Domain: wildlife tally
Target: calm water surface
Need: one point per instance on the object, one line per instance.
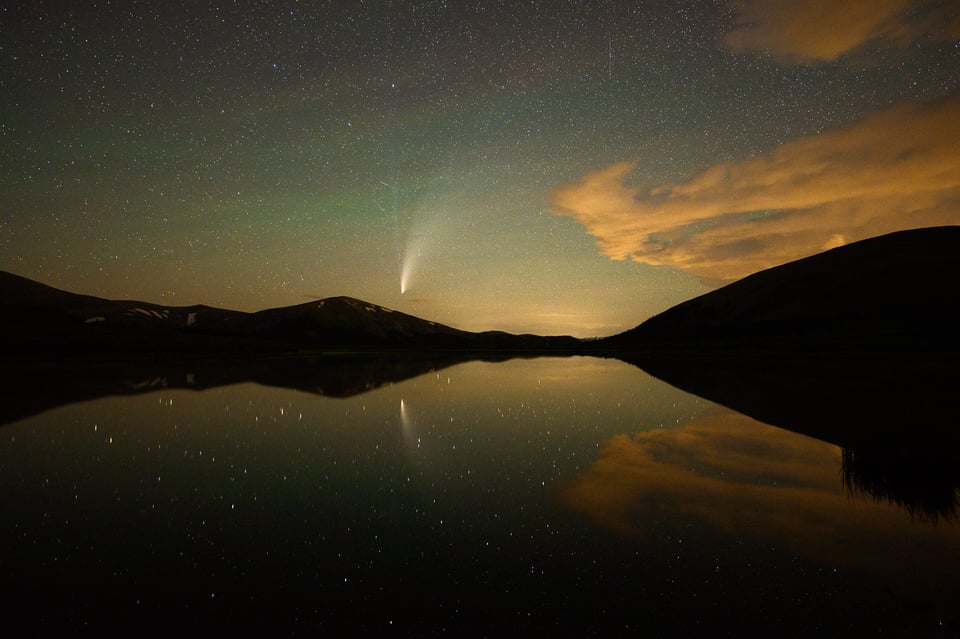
(577, 495)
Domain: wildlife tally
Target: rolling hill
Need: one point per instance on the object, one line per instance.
(897, 291)
(39, 319)
(893, 291)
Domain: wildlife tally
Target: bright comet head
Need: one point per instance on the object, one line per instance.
(406, 269)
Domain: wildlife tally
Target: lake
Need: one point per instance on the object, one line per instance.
(574, 495)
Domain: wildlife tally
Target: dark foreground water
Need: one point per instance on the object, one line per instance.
(576, 496)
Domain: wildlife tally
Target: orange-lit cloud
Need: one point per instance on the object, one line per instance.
(753, 481)
(799, 31)
(895, 169)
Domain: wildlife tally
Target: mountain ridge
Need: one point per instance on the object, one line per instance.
(889, 292)
(36, 317)
(892, 290)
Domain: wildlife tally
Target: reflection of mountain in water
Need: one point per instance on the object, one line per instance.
(34, 389)
(853, 401)
(893, 415)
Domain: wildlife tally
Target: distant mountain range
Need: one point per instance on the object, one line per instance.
(35, 318)
(897, 291)
(894, 291)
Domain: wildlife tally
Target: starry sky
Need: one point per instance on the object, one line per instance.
(554, 167)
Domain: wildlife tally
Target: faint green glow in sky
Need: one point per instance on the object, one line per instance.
(255, 155)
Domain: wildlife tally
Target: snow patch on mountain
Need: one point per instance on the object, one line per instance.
(152, 314)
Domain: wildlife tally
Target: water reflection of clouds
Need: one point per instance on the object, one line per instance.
(750, 480)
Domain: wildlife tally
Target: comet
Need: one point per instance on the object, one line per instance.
(411, 256)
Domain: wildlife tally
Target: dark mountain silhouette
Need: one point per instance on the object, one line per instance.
(36, 319)
(893, 291)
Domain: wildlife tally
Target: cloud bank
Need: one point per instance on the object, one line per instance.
(893, 170)
(802, 31)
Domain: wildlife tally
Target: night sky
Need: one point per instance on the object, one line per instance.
(550, 167)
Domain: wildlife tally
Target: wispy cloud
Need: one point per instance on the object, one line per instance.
(801, 31)
(892, 170)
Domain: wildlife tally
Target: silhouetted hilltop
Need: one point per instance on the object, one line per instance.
(897, 290)
(36, 319)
